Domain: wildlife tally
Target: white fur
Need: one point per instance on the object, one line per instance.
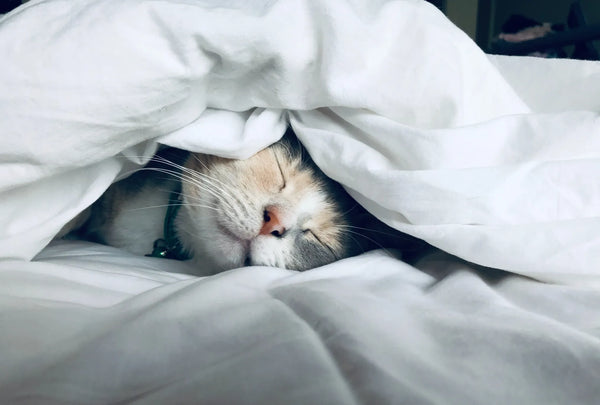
(139, 222)
(220, 239)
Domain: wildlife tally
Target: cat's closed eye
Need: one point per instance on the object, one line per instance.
(283, 182)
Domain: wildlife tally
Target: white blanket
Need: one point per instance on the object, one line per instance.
(493, 159)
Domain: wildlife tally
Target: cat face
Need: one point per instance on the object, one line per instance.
(274, 209)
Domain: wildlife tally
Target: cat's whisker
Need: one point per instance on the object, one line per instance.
(376, 243)
(184, 178)
(193, 174)
(242, 209)
(349, 210)
(208, 178)
(233, 202)
(327, 247)
(199, 161)
(180, 172)
(370, 230)
(171, 173)
(222, 189)
(201, 204)
(193, 234)
(216, 192)
(167, 206)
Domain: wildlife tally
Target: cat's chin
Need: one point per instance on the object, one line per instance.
(223, 251)
(226, 252)
(218, 255)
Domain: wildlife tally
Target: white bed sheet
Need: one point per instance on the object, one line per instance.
(90, 324)
(493, 159)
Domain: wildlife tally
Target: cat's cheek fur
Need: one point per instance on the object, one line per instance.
(212, 251)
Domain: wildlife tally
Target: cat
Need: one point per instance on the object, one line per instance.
(276, 208)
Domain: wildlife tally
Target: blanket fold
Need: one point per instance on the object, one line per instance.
(430, 134)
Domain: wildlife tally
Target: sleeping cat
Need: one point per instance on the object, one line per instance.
(274, 209)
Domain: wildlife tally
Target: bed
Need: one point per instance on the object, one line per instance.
(493, 160)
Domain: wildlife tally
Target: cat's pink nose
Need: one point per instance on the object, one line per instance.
(272, 225)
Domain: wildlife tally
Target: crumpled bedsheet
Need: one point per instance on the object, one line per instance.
(493, 160)
(90, 324)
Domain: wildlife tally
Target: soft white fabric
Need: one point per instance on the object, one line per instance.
(493, 159)
(89, 324)
(469, 153)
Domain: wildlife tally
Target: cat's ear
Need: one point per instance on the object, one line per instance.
(374, 234)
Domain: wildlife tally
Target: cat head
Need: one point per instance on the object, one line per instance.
(274, 209)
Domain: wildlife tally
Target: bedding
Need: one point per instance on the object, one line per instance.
(493, 160)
